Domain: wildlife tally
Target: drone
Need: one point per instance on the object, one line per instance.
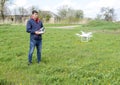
(85, 36)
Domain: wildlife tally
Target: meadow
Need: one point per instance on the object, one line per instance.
(65, 59)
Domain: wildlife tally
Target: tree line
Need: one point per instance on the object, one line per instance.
(64, 14)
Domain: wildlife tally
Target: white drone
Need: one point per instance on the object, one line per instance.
(85, 36)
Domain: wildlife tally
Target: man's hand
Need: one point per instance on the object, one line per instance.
(37, 32)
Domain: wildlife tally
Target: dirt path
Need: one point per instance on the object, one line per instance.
(65, 27)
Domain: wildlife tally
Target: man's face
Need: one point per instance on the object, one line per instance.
(35, 15)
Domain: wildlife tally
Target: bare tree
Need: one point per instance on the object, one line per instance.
(15, 11)
(7, 11)
(72, 15)
(2, 8)
(107, 14)
(45, 15)
(30, 9)
(62, 11)
(79, 14)
(22, 11)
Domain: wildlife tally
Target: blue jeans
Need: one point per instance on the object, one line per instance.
(38, 45)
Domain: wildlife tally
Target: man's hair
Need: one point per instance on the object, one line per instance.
(34, 11)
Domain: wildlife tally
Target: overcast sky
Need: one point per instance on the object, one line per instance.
(90, 7)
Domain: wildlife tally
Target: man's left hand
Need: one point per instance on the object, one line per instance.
(37, 32)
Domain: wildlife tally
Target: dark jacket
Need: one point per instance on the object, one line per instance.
(33, 26)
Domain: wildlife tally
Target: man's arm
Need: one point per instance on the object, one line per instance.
(29, 28)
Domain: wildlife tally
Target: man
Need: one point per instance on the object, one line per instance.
(33, 27)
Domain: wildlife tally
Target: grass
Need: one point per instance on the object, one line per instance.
(65, 60)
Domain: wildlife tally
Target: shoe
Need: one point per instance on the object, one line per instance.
(29, 63)
(38, 62)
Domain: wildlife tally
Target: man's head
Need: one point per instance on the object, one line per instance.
(34, 14)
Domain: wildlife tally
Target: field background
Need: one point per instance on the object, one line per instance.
(65, 59)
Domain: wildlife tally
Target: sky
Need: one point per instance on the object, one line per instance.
(90, 7)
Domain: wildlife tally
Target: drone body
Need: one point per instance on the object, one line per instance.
(85, 37)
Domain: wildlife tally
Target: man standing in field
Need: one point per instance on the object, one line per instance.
(34, 25)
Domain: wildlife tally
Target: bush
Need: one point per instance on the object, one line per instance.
(97, 24)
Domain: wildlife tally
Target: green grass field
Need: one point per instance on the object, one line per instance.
(65, 59)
